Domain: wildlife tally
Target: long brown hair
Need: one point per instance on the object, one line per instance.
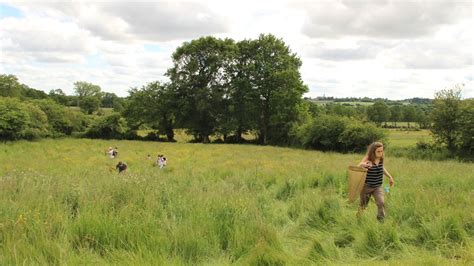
(371, 151)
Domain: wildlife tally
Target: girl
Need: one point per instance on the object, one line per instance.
(373, 161)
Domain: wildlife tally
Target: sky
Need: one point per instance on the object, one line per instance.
(395, 49)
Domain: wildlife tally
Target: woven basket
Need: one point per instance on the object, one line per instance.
(356, 180)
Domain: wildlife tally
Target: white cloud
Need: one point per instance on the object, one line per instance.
(380, 18)
(41, 39)
(142, 20)
(375, 48)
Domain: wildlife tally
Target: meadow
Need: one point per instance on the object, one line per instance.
(406, 139)
(61, 202)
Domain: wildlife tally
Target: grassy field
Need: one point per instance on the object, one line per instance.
(403, 139)
(397, 138)
(62, 203)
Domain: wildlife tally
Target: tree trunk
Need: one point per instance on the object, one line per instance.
(265, 122)
(170, 135)
(239, 134)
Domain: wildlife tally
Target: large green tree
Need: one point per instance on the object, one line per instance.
(59, 96)
(200, 78)
(396, 114)
(378, 113)
(276, 79)
(89, 96)
(153, 105)
(243, 100)
(410, 114)
(9, 86)
(445, 116)
(466, 121)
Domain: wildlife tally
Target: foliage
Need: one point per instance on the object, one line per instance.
(466, 126)
(20, 120)
(409, 114)
(378, 112)
(357, 136)
(396, 114)
(225, 88)
(328, 132)
(154, 106)
(58, 117)
(446, 114)
(200, 78)
(11, 87)
(277, 81)
(89, 96)
(113, 126)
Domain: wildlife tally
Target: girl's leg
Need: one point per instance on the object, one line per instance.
(365, 196)
(364, 199)
(379, 199)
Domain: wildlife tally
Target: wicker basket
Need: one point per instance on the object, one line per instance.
(356, 180)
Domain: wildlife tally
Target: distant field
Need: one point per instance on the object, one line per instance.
(61, 202)
(403, 124)
(402, 139)
(355, 103)
(349, 103)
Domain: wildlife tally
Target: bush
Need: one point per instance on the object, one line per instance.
(80, 121)
(336, 133)
(108, 127)
(21, 120)
(37, 126)
(323, 133)
(59, 121)
(13, 119)
(357, 136)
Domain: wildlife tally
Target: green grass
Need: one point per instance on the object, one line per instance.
(60, 203)
(403, 139)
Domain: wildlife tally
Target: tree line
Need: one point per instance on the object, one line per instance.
(223, 88)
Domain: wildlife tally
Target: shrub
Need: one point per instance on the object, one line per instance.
(37, 126)
(357, 136)
(108, 127)
(323, 133)
(13, 119)
(20, 120)
(59, 121)
(336, 133)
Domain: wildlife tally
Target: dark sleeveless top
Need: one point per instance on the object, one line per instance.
(375, 175)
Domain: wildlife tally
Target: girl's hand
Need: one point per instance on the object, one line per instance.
(391, 182)
(367, 164)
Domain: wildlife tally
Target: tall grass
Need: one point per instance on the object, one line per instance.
(62, 203)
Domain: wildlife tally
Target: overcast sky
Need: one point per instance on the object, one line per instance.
(392, 49)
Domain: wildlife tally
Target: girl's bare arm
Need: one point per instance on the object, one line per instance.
(390, 177)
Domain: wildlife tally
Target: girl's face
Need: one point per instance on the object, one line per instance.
(379, 153)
